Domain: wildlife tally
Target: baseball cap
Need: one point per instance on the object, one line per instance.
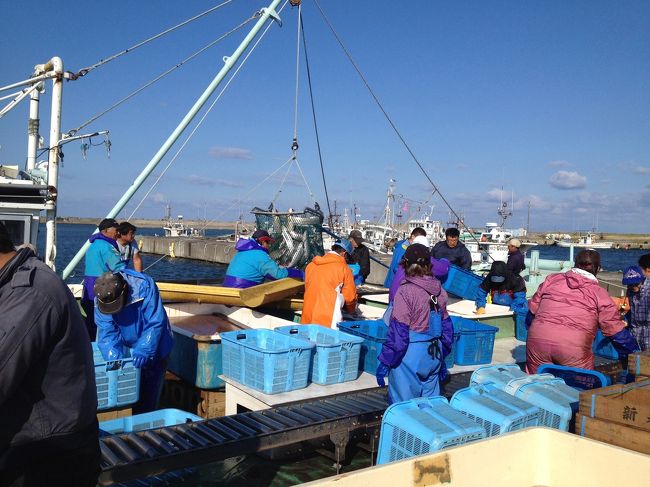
(632, 275)
(417, 254)
(107, 223)
(356, 235)
(515, 242)
(345, 244)
(262, 234)
(110, 291)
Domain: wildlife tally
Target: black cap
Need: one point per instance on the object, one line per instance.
(262, 234)
(110, 290)
(107, 223)
(356, 235)
(417, 254)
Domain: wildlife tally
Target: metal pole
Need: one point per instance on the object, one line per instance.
(229, 62)
(55, 65)
(33, 127)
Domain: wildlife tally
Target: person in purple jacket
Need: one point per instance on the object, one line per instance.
(420, 333)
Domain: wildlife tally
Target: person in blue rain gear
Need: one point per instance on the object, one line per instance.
(103, 256)
(398, 252)
(252, 263)
(504, 287)
(420, 333)
(129, 313)
(633, 279)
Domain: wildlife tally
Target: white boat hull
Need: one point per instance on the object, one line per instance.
(593, 245)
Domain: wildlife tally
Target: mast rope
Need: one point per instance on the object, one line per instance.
(200, 122)
(101, 62)
(72, 132)
(383, 110)
(313, 112)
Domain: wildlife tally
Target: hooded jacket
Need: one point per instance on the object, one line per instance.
(252, 264)
(103, 256)
(47, 374)
(511, 292)
(569, 308)
(326, 278)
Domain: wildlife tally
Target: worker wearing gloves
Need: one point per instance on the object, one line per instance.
(420, 333)
(504, 288)
(252, 263)
(129, 313)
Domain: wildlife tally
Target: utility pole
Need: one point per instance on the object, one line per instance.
(528, 221)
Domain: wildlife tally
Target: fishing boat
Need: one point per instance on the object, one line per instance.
(586, 241)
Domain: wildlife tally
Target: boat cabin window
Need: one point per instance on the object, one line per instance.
(18, 228)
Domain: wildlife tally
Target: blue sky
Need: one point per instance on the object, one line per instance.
(548, 99)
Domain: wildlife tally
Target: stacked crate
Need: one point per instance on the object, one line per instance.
(618, 414)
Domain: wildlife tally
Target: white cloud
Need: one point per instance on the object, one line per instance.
(205, 181)
(558, 163)
(230, 153)
(568, 180)
(158, 198)
(641, 170)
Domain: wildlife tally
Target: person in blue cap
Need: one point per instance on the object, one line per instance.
(504, 288)
(129, 313)
(252, 263)
(635, 278)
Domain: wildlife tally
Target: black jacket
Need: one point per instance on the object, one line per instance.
(361, 256)
(516, 262)
(47, 377)
(458, 255)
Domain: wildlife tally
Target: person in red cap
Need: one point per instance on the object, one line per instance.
(252, 263)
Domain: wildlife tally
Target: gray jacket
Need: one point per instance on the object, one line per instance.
(47, 378)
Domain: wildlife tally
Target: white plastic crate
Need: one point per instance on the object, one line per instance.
(497, 411)
(423, 425)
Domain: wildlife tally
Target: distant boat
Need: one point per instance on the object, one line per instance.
(491, 244)
(585, 241)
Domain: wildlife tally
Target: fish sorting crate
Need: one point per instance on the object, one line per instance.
(449, 359)
(423, 425)
(496, 411)
(374, 334)
(118, 382)
(267, 361)
(603, 347)
(147, 421)
(475, 343)
(557, 401)
(499, 374)
(521, 332)
(336, 357)
(462, 283)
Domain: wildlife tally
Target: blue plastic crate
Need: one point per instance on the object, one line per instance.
(556, 400)
(449, 359)
(496, 411)
(581, 379)
(475, 341)
(423, 425)
(118, 383)
(499, 374)
(147, 421)
(603, 347)
(374, 334)
(521, 332)
(462, 283)
(267, 361)
(337, 353)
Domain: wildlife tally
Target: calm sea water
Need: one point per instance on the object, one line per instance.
(72, 237)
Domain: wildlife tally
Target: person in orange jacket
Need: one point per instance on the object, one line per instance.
(329, 285)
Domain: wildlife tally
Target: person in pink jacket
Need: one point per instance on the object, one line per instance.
(567, 310)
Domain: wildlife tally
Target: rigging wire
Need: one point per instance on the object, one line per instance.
(162, 75)
(200, 122)
(313, 111)
(383, 110)
(101, 62)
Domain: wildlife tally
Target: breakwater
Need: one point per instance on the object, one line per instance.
(218, 251)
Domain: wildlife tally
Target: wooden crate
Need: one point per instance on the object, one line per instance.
(180, 395)
(114, 414)
(639, 363)
(627, 404)
(613, 433)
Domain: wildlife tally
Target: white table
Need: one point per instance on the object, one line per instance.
(467, 308)
(376, 298)
(241, 396)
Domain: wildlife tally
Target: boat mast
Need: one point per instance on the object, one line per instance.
(229, 62)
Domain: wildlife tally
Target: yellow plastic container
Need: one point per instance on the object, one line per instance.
(535, 457)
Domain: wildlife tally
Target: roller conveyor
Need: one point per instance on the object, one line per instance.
(153, 452)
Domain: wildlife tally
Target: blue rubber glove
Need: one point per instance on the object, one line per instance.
(382, 372)
(139, 361)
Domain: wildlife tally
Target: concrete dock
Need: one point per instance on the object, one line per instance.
(208, 249)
